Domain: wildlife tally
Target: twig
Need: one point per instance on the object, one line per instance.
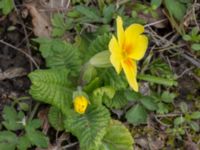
(25, 33)
(169, 115)
(21, 51)
(69, 145)
(192, 60)
(154, 23)
(34, 110)
(185, 71)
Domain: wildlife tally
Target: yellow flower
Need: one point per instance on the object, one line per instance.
(129, 47)
(80, 104)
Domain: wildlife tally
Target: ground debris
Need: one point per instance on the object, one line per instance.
(12, 73)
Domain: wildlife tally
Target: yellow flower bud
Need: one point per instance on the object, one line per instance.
(80, 104)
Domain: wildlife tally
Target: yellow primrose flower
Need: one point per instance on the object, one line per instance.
(129, 47)
(80, 104)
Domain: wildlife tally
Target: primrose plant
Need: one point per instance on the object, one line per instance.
(81, 92)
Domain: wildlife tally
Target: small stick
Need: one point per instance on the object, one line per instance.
(20, 50)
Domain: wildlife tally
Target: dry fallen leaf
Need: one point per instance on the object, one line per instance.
(41, 27)
(43, 116)
(12, 73)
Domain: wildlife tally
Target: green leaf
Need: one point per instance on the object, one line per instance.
(194, 31)
(156, 3)
(162, 108)
(99, 44)
(117, 102)
(137, 115)
(196, 47)
(58, 54)
(23, 143)
(45, 46)
(111, 78)
(89, 73)
(37, 137)
(12, 119)
(50, 86)
(168, 97)
(180, 10)
(117, 137)
(183, 106)
(60, 25)
(132, 96)
(6, 6)
(56, 118)
(8, 140)
(90, 127)
(35, 124)
(179, 120)
(88, 12)
(102, 94)
(149, 103)
(195, 115)
(101, 59)
(187, 37)
(158, 80)
(108, 12)
(194, 126)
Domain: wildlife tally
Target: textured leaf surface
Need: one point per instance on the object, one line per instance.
(8, 140)
(99, 44)
(37, 138)
(50, 86)
(117, 137)
(90, 127)
(118, 101)
(110, 77)
(23, 143)
(12, 118)
(58, 53)
(56, 118)
(137, 115)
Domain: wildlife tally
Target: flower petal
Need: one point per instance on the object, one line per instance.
(133, 31)
(116, 56)
(139, 49)
(113, 46)
(116, 62)
(120, 31)
(130, 69)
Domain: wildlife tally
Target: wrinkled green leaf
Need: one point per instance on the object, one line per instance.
(59, 54)
(50, 86)
(8, 140)
(56, 118)
(90, 127)
(137, 115)
(195, 115)
(162, 108)
(103, 94)
(168, 97)
(23, 143)
(12, 119)
(37, 138)
(148, 103)
(117, 102)
(117, 137)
